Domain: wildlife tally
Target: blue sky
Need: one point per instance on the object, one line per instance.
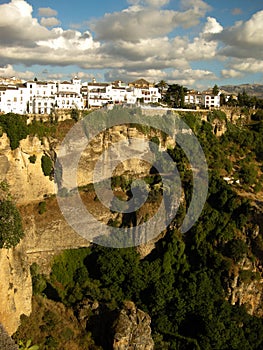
(195, 43)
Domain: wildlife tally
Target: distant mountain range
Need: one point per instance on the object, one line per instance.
(250, 89)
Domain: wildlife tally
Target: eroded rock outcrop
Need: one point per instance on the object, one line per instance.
(15, 287)
(26, 180)
(132, 329)
(246, 287)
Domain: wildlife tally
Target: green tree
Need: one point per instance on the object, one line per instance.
(258, 116)
(15, 127)
(222, 99)
(236, 249)
(75, 114)
(46, 164)
(215, 90)
(232, 101)
(243, 99)
(174, 95)
(11, 230)
(248, 173)
(162, 86)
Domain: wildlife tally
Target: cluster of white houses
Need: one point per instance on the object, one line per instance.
(38, 97)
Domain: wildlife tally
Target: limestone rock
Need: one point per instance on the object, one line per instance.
(219, 127)
(132, 329)
(27, 181)
(15, 288)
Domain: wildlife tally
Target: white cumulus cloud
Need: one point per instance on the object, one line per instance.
(244, 39)
(47, 12)
(49, 22)
(9, 71)
(231, 73)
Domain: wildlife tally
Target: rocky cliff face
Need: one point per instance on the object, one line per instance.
(49, 233)
(132, 329)
(247, 291)
(15, 287)
(27, 181)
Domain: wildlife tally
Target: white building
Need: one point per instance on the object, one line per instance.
(144, 91)
(40, 96)
(212, 101)
(13, 99)
(43, 97)
(147, 95)
(73, 86)
(98, 94)
(68, 100)
(194, 98)
(43, 104)
(204, 99)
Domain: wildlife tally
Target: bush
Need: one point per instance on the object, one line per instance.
(47, 165)
(15, 127)
(236, 249)
(39, 282)
(258, 116)
(33, 159)
(248, 173)
(75, 114)
(247, 276)
(11, 230)
(42, 207)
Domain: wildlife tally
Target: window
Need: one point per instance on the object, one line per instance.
(15, 99)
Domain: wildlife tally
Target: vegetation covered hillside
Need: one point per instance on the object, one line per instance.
(189, 283)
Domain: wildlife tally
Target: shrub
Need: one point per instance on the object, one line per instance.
(33, 159)
(15, 127)
(258, 116)
(39, 282)
(47, 165)
(42, 207)
(236, 249)
(11, 225)
(248, 173)
(75, 114)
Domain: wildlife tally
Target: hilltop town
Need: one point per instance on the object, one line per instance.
(43, 97)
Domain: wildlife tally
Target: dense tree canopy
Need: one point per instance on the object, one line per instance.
(11, 230)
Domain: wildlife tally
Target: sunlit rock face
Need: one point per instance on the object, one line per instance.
(132, 329)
